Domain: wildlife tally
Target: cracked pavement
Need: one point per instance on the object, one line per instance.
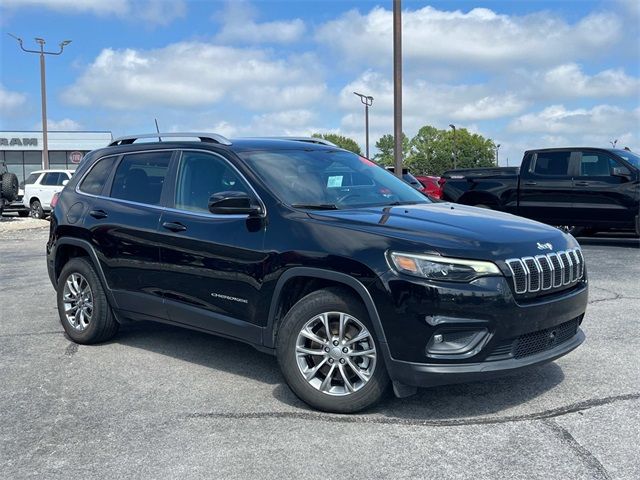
(163, 402)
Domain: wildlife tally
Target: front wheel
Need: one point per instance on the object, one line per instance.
(36, 210)
(329, 354)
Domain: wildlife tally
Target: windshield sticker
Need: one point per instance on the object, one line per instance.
(334, 181)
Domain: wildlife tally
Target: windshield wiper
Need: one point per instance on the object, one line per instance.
(315, 206)
(395, 204)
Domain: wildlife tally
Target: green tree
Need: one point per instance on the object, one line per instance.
(433, 150)
(385, 146)
(341, 141)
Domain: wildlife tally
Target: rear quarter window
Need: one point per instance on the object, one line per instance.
(94, 181)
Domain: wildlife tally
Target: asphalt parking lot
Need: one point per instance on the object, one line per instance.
(162, 402)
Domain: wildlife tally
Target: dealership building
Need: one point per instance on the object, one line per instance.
(22, 151)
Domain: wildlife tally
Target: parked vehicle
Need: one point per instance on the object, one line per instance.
(582, 190)
(8, 187)
(410, 179)
(350, 284)
(431, 185)
(40, 187)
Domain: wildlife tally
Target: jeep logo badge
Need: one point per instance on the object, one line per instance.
(544, 246)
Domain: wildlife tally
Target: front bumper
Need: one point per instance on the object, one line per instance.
(518, 333)
(428, 375)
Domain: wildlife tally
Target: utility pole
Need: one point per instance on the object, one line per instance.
(43, 90)
(454, 152)
(397, 87)
(497, 155)
(367, 100)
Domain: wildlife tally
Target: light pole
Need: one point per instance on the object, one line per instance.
(497, 155)
(397, 87)
(43, 89)
(454, 152)
(367, 102)
(613, 143)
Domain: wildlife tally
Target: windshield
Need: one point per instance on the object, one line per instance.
(329, 179)
(630, 157)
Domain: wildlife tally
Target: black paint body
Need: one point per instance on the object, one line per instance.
(599, 202)
(235, 276)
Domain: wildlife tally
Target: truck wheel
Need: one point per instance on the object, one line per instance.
(36, 209)
(329, 355)
(9, 186)
(84, 311)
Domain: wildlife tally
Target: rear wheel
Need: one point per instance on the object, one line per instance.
(329, 355)
(84, 311)
(36, 210)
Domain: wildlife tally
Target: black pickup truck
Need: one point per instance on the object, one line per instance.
(583, 190)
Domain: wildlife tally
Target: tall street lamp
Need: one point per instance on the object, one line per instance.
(43, 89)
(367, 102)
(397, 87)
(497, 155)
(454, 152)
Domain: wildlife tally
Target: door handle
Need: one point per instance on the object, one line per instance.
(98, 214)
(581, 184)
(530, 183)
(174, 226)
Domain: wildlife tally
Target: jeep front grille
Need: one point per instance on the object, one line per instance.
(544, 272)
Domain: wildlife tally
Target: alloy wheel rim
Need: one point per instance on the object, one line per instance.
(34, 211)
(77, 298)
(335, 353)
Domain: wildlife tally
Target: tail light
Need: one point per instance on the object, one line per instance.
(54, 200)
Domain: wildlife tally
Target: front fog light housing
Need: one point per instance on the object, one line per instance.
(456, 344)
(435, 267)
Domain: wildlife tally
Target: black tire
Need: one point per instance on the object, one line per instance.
(103, 325)
(9, 186)
(36, 210)
(328, 300)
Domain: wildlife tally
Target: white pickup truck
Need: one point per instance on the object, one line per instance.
(40, 187)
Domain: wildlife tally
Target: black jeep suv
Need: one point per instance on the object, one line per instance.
(317, 255)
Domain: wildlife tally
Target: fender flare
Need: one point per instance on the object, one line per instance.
(85, 245)
(361, 290)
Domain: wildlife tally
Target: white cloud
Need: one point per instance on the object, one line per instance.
(194, 75)
(480, 37)
(569, 80)
(64, 125)
(239, 26)
(426, 103)
(601, 121)
(11, 102)
(156, 12)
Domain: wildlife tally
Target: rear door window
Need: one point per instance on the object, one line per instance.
(552, 164)
(52, 179)
(140, 177)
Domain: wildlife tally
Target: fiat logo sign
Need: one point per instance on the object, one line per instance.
(75, 157)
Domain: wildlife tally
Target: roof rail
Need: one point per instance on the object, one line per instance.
(320, 141)
(204, 137)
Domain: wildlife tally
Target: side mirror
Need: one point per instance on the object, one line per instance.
(232, 203)
(621, 172)
(64, 183)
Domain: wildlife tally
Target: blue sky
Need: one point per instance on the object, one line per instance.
(524, 73)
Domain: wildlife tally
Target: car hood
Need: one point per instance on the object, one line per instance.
(454, 230)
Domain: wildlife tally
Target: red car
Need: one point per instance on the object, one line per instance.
(431, 185)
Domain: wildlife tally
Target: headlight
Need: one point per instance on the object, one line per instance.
(435, 267)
